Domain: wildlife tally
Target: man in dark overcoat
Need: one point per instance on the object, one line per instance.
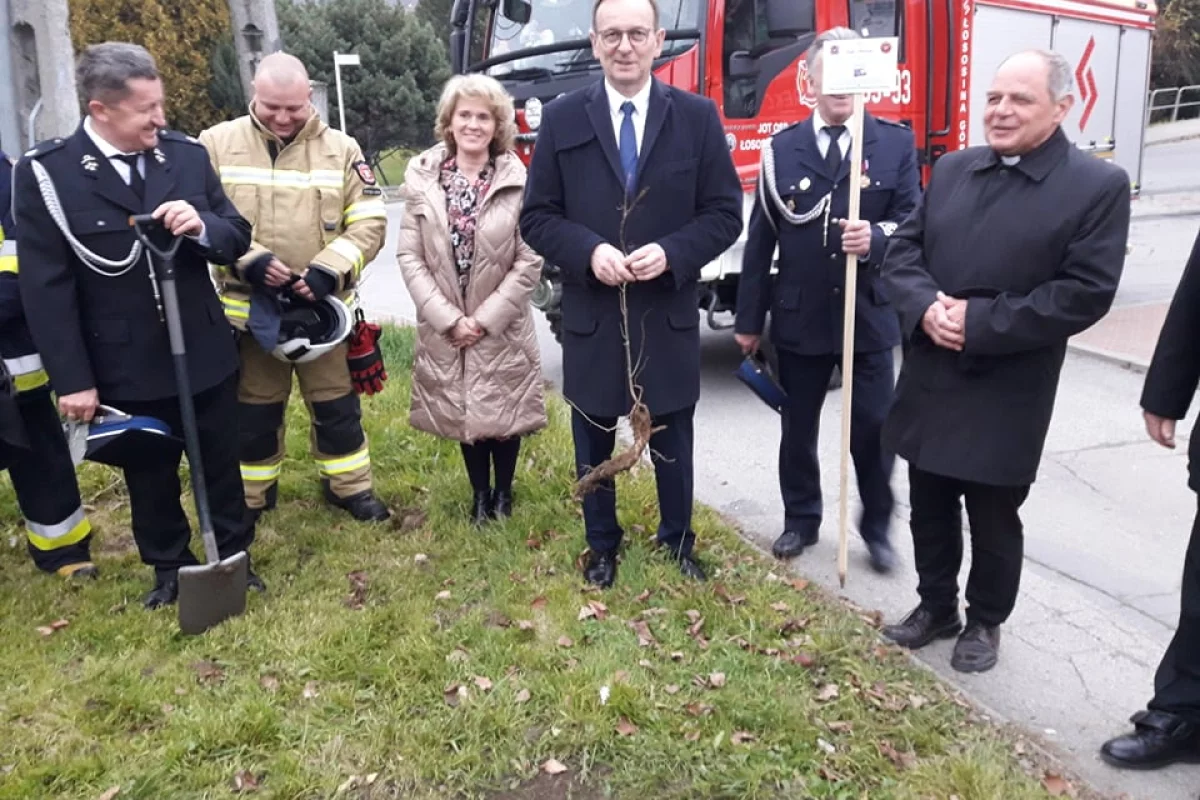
(92, 299)
(802, 203)
(630, 141)
(1016, 247)
(1168, 729)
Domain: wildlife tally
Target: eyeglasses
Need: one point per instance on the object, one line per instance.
(637, 36)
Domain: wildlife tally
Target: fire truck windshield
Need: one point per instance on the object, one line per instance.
(562, 26)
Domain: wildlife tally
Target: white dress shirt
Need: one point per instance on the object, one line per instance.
(823, 136)
(641, 104)
(108, 150)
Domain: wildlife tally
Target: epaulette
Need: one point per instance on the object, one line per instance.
(892, 123)
(176, 136)
(42, 148)
(793, 126)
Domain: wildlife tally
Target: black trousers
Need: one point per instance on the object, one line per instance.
(1177, 681)
(671, 454)
(997, 544)
(806, 381)
(160, 527)
(491, 455)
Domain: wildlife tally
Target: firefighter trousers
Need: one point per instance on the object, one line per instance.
(337, 441)
(43, 477)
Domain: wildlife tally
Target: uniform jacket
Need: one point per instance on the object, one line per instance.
(6, 220)
(691, 206)
(805, 299)
(102, 332)
(494, 388)
(1174, 371)
(315, 203)
(1038, 249)
(21, 358)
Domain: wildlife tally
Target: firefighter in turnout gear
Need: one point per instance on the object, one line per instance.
(318, 220)
(42, 473)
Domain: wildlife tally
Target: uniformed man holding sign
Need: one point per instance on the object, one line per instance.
(802, 203)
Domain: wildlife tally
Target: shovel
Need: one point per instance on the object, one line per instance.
(213, 592)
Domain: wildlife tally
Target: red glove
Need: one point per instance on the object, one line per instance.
(365, 358)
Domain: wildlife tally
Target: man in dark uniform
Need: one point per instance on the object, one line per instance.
(1168, 729)
(661, 153)
(1015, 247)
(803, 198)
(91, 297)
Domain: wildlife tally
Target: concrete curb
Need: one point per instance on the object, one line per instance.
(1110, 356)
(1183, 137)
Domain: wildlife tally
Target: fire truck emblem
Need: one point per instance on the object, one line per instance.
(804, 87)
(731, 140)
(1086, 80)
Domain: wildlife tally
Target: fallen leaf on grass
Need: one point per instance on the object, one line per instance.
(677, 656)
(828, 692)
(792, 625)
(916, 701)
(357, 598)
(410, 520)
(644, 664)
(645, 637)
(741, 737)
(621, 676)
(698, 709)
(693, 736)
(781, 607)
(110, 794)
(483, 683)
(539, 602)
(829, 775)
(799, 584)
(454, 694)
(525, 624)
(553, 767)
(53, 627)
(803, 660)
(1056, 785)
(695, 628)
(671, 688)
(420, 558)
(716, 680)
(626, 728)
(497, 620)
(442, 595)
(900, 760)
(826, 747)
(245, 781)
(595, 609)
(840, 727)
(692, 614)
(565, 641)
(269, 682)
(457, 656)
(208, 672)
(723, 593)
(310, 690)
(522, 696)
(643, 597)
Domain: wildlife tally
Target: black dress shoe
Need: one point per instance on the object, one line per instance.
(165, 592)
(482, 509)
(883, 557)
(977, 649)
(690, 568)
(792, 543)
(1158, 739)
(922, 626)
(502, 503)
(254, 582)
(364, 506)
(601, 568)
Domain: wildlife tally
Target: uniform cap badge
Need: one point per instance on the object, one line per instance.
(89, 162)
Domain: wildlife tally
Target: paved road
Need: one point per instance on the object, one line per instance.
(1106, 528)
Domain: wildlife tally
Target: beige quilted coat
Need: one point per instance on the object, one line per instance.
(493, 389)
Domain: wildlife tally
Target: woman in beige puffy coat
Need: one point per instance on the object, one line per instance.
(477, 374)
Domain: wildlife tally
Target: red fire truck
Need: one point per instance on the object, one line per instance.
(746, 54)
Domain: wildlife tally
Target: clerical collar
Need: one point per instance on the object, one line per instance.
(1010, 161)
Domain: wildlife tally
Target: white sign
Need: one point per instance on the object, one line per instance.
(346, 59)
(860, 66)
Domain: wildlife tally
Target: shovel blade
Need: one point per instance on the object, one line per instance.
(209, 594)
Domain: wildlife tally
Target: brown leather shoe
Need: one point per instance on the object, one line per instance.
(977, 649)
(1158, 739)
(922, 626)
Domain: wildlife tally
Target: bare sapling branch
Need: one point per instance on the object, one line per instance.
(639, 413)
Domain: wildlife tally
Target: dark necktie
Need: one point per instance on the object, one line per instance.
(136, 182)
(628, 146)
(833, 156)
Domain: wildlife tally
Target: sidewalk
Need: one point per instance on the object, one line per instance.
(1126, 336)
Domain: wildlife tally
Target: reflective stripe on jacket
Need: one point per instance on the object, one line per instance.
(316, 204)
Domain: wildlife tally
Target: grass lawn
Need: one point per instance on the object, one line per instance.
(392, 166)
(426, 659)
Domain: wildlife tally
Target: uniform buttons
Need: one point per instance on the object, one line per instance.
(833, 256)
(837, 290)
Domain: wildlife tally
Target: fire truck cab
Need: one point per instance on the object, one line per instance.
(748, 56)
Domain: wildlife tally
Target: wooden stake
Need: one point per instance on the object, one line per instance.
(851, 295)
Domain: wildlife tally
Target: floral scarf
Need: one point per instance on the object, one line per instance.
(463, 198)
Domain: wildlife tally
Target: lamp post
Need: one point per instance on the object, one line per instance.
(254, 38)
(342, 60)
